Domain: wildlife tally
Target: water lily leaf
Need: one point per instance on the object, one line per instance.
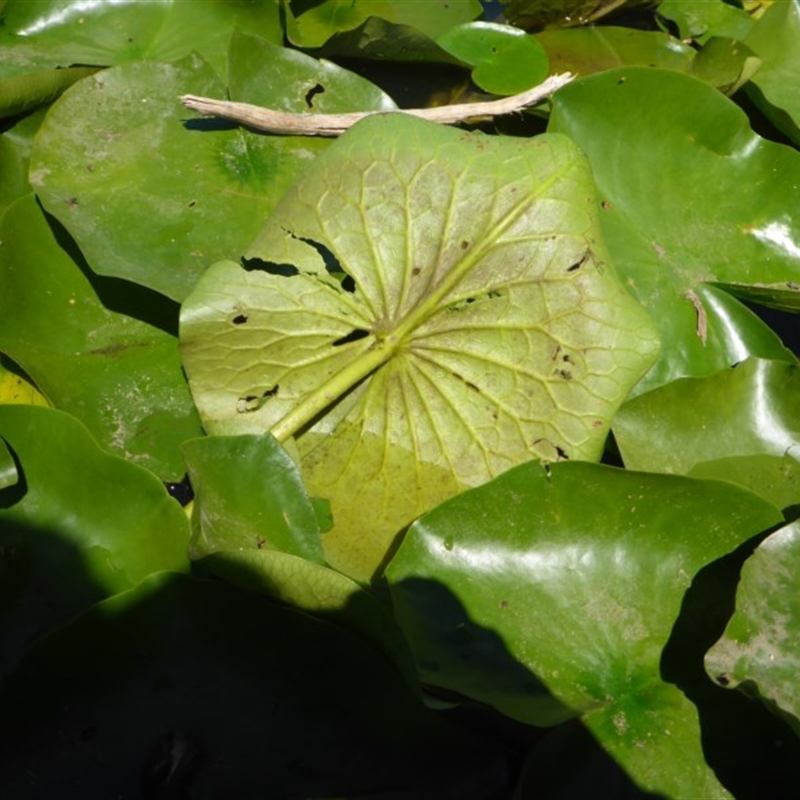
(702, 19)
(79, 525)
(775, 478)
(200, 688)
(505, 60)
(79, 337)
(751, 409)
(759, 652)
(424, 309)
(15, 153)
(726, 64)
(249, 496)
(155, 198)
(566, 581)
(9, 475)
(63, 32)
(24, 92)
(675, 227)
(311, 25)
(585, 51)
(776, 39)
(15, 388)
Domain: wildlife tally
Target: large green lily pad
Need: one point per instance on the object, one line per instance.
(62, 32)
(714, 211)
(424, 309)
(552, 591)
(760, 649)
(82, 341)
(79, 525)
(752, 409)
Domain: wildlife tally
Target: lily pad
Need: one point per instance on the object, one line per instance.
(63, 32)
(199, 689)
(752, 409)
(311, 24)
(79, 525)
(775, 478)
(676, 227)
(155, 197)
(776, 39)
(249, 496)
(15, 153)
(702, 19)
(566, 580)
(15, 388)
(535, 14)
(79, 339)
(759, 652)
(505, 60)
(9, 475)
(424, 309)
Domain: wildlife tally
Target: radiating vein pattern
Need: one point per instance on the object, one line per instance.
(472, 322)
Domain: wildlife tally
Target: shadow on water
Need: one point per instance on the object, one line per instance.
(754, 753)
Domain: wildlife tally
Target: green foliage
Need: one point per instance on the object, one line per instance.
(496, 470)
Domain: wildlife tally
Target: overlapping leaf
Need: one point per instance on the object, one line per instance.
(760, 649)
(552, 592)
(423, 310)
(691, 198)
(79, 525)
(80, 340)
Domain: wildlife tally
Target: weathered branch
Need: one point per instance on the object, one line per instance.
(282, 122)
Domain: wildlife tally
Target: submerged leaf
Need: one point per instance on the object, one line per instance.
(424, 309)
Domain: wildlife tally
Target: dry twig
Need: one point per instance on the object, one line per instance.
(307, 124)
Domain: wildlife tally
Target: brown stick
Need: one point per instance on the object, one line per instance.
(283, 122)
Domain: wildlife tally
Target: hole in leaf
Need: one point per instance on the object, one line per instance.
(239, 319)
(312, 93)
(348, 284)
(252, 402)
(353, 336)
(181, 490)
(284, 270)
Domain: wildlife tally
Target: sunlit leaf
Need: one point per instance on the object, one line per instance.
(759, 652)
(424, 309)
(702, 19)
(552, 592)
(81, 340)
(15, 151)
(505, 60)
(64, 32)
(249, 496)
(776, 39)
(312, 24)
(14, 388)
(752, 409)
(690, 197)
(78, 526)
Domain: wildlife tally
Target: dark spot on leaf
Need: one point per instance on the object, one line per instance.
(467, 383)
(504, 604)
(464, 244)
(792, 285)
(598, 423)
(578, 264)
(621, 80)
(723, 679)
(90, 167)
(192, 203)
(605, 205)
(181, 490)
(416, 271)
(348, 284)
(239, 319)
(271, 267)
(72, 202)
(353, 336)
(260, 542)
(562, 454)
(312, 93)
(565, 374)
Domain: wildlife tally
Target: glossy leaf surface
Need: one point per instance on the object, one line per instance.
(752, 409)
(776, 38)
(9, 474)
(311, 25)
(78, 337)
(249, 496)
(15, 151)
(79, 525)
(716, 211)
(505, 60)
(199, 687)
(760, 649)
(552, 591)
(424, 309)
(63, 32)
(702, 19)
(154, 196)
